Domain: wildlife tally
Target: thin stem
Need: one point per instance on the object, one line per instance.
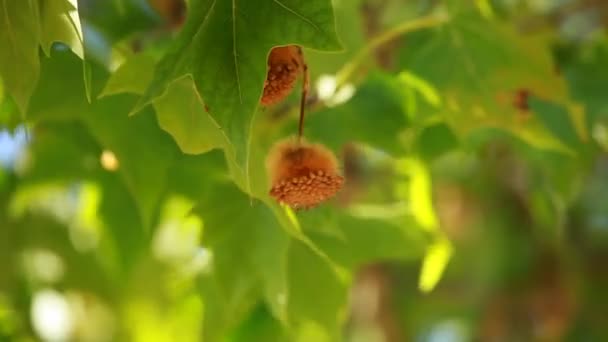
(349, 69)
(305, 86)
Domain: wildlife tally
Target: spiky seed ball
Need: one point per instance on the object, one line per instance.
(302, 175)
(284, 65)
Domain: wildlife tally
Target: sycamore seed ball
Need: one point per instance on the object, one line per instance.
(302, 175)
(285, 63)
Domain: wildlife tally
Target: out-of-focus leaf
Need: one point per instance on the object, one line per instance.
(435, 140)
(19, 38)
(61, 71)
(143, 159)
(479, 66)
(105, 23)
(65, 153)
(557, 121)
(144, 162)
(260, 326)
(434, 263)
(354, 242)
(133, 76)
(60, 152)
(249, 250)
(586, 70)
(114, 20)
(316, 293)
(10, 117)
(418, 192)
(415, 88)
(375, 115)
(59, 22)
(224, 47)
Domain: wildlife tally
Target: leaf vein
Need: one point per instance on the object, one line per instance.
(285, 7)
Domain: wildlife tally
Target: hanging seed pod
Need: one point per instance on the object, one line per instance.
(285, 64)
(302, 175)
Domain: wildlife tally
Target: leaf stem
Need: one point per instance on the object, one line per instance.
(305, 85)
(349, 68)
(347, 71)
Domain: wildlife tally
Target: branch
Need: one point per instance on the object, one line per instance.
(349, 68)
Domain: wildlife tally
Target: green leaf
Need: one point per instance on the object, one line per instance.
(356, 241)
(435, 261)
(478, 66)
(64, 153)
(248, 245)
(60, 72)
(182, 114)
(19, 38)
(59, 152)
(557, 120)
(375, 115)
(260, 326)
(435, 140)
(143, 161)
(10, 117)
(59, 23)
(133, 76)
(586, 70)
(224, 46)
(316, 294)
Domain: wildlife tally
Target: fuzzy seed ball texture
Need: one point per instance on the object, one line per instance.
(302, 175)
(285, 63)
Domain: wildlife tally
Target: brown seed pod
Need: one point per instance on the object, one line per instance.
(285, 63)
(302, 175)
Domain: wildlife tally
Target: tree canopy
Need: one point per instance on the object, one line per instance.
(135, 195)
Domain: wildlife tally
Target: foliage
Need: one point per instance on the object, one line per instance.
(134, 197)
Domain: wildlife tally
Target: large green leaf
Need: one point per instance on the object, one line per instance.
(181, 113)
(317, 294)
(24, 26)
(19, 38)
(249, 249)
(224, 46)
(354, 242)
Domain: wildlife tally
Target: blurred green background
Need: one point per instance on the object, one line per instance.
(473, 136)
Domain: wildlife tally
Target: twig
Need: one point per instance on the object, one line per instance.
(349, 68)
